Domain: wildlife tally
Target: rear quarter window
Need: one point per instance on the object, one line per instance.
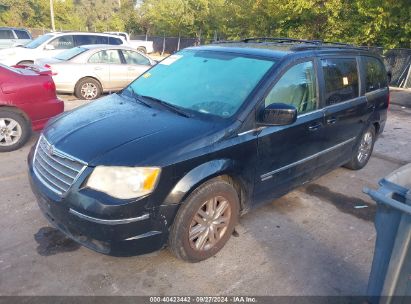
(115, 41)
(90, 39)
(341, 79)
(22, 34)
(375, 74)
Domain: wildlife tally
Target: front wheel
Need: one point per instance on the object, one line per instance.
(88, 89)
(363, 150)
(15, 131)
(205, 221)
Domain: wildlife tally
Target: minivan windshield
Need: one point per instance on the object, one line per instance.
(209, 82)
(38, 41)
(70, 53)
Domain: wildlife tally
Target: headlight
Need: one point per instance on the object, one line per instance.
(124, 182)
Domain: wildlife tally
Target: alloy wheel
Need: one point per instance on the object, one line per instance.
(10, 131)
(210, 223)
(365, 148)
(89, 90)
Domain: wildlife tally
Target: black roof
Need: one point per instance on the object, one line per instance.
(280, 47)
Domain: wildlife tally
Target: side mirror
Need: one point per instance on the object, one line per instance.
(279, 114)
(49, 47)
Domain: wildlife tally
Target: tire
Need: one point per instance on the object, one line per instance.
(363, 150)
(142, 49)
(88, 89)
(215, 193)
(13, 123)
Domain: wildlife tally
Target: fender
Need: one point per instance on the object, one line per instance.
(197, 176)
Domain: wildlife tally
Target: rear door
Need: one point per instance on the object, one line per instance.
(288, 155)
(136, 64)
(118, 70)
(108, 66)
(345, 110)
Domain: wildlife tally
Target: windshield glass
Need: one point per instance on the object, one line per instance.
(204, 81)
(38, 41)
(70, 54)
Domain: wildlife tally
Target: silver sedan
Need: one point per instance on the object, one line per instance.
(89, 70)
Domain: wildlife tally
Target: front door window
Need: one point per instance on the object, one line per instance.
(297, 87)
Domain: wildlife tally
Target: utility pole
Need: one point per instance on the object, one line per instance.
(53, 27)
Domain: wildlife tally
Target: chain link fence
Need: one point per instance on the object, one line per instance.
(398, 62)
(168, 45)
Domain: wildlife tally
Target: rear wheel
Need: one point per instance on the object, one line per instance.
(14, 131)
(363, 150)
(88, 89)
(205, 221)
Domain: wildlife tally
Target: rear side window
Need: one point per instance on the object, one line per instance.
(135, 58)
(90, 39)
(115, 41)
(297, 87)
(341, 79)
(106, 56)
(376, 76)
(22, 34)
(63, 42)
(6, 34)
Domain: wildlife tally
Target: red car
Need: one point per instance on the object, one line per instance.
(27, 101)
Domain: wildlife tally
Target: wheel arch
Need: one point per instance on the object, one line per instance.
(377, 127)
(15, 110)
(92, 77)
(219, 169)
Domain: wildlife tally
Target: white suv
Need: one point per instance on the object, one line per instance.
(51, 44)
(12, 36)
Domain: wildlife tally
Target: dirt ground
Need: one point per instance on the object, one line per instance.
(312, 241)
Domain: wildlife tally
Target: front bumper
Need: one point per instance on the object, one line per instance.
(132, 234)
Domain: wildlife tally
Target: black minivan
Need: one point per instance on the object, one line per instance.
(204, 136)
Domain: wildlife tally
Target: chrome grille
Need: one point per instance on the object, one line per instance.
(56, 170)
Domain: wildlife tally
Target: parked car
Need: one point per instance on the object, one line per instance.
(87, 71)
(27, 101)
(143, 46)
(51, 44)
(13, 36)
(204, 136)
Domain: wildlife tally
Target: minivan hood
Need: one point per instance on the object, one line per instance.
(88, 133)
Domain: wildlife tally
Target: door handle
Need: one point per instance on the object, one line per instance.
(331, 121)
(315, 126)
(131, 69)
(98, 68)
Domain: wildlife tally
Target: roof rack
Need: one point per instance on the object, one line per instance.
(304, 44)
(279, 40)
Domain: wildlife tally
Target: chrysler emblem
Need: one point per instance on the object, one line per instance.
(50, 150)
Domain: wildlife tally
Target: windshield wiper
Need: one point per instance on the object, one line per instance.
(170, 106)
(138, 98)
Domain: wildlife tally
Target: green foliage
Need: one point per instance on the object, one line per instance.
(365, 22)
